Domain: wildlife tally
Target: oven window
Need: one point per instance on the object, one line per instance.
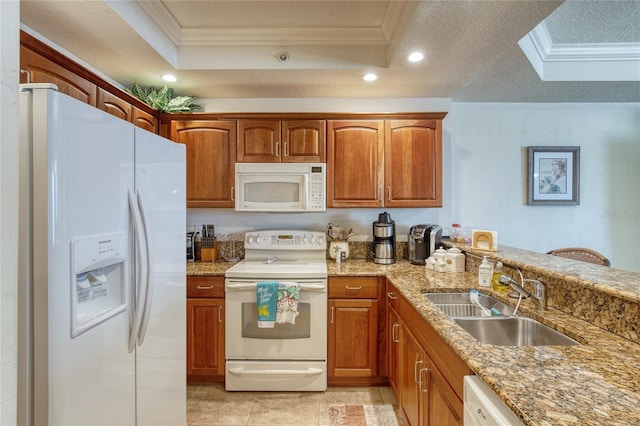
(272, 192)
(301, 329)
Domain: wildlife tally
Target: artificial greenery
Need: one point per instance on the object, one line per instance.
(162, 99)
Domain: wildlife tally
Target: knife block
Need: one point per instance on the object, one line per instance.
(209, 251)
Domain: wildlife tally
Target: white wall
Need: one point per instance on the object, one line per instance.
(485, 172)
(9, 63)
(490, 172)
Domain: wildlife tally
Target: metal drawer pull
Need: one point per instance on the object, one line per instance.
(220, 314)
(426, 388)
(348, 287)
(389, 192)
(204, 287)
(391, 296)
(394, 336)
(416, 373)
(332, 309)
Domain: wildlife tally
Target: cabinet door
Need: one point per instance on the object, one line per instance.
(304, 141)
(393, 333)
(259, 141)
(353, 338)
(355, 149)
(42, 70)
(445, 408)
(113, 105)
(211, 161)
(205, 337)
(144, 120)
(413, 163)
(413, 397)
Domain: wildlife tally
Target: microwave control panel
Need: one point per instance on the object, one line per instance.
(316, 190)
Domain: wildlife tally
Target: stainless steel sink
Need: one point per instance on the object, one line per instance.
(458, 305)
(513, 331)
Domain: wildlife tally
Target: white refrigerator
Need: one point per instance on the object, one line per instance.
(102, 268)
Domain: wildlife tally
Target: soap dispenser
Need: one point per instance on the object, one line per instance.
(485, 273)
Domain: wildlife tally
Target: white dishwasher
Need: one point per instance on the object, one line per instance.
(482, 407)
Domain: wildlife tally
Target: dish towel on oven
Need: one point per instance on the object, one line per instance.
(288, 295)
(266, 298)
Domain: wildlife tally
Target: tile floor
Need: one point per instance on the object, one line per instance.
(212, 405)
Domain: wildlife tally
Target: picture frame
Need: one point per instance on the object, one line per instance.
(554, 175)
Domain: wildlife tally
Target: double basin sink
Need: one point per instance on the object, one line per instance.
(502, 328)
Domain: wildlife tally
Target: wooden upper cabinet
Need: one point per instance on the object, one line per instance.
(41, 70)
(413, 163)
(258, 141)
(274, 141)
(144, 120)
(354, 162)
(211, 157)
(304, 141)
(114, 105)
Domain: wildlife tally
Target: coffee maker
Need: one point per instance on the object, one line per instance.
(423, 241)
(384, 240)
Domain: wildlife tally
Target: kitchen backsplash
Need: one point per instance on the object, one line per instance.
(357, 249)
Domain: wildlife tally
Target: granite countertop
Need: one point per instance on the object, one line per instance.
(594, 383)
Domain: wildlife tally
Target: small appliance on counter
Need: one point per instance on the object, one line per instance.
(423, 242)
(384, 240)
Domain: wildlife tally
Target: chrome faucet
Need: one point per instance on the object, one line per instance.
(539, 295)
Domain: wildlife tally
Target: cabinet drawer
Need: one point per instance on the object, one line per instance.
(205, 286)
(353, 287)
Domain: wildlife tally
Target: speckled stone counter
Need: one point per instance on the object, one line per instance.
(594, 383)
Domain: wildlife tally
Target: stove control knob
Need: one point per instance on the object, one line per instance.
(313, 239)
(250, 239)
(258, 238)
(304, 239)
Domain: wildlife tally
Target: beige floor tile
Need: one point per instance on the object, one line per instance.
(209, 405)
(219, 412)
(290, 411)
(388, 395)
(351, 395)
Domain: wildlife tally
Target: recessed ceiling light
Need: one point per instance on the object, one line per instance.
(415, 57)
(370, 77)
(169, 77)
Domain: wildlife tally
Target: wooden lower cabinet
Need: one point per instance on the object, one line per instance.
(205, 330)
(393, 349)
(356, 351)
(425, 372)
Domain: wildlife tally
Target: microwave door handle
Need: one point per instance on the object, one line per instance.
(307, 192)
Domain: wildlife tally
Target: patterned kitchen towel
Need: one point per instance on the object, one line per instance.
(288, 295)
(266, 298)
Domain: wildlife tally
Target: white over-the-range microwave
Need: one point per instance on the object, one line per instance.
(281, 187)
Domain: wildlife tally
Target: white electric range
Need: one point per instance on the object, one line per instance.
(287, 357)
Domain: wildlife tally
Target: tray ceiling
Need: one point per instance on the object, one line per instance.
(231, 49)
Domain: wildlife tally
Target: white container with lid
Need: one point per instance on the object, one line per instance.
(454, 258)
(439, 254)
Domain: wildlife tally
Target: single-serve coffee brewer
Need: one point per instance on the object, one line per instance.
(384, 240)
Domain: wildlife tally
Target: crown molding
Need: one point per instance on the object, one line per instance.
(580, 61)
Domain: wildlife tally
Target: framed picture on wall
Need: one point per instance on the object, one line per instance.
(554, 175)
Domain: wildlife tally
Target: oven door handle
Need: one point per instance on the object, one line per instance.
(249, 286)
(276, 372)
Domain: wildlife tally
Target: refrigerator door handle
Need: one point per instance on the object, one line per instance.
(137, 302)
(150, 276)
